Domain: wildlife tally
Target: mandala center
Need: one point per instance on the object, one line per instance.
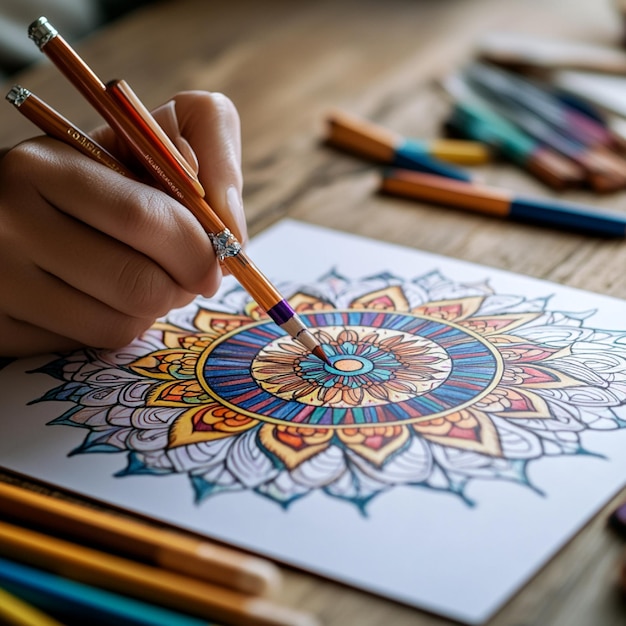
(385, 368)
(352, 365)
(369, 367)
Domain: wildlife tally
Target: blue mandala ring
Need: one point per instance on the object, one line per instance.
(459, 367)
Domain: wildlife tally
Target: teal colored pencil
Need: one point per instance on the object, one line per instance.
(77, 603)
(476, 119)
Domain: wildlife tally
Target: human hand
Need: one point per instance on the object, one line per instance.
(88, 257)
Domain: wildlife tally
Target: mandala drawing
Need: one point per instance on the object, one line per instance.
(433, 384)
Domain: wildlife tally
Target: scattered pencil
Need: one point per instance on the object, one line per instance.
(379, 144)
(473, 118)
(503, 203)
(75, 602)
(16, 612)
(176, 551)
(150, 584)
(605, 170)
(520, 92)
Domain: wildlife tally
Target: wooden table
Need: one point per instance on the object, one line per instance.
(284, 64)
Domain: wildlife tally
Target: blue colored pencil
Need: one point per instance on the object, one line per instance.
(503, 203)
(75, 602)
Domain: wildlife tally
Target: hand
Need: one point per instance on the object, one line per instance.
(88, 257)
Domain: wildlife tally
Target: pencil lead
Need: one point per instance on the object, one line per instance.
(320, 354)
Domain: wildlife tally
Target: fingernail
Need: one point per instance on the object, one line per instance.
(187, 151)
(235, 206)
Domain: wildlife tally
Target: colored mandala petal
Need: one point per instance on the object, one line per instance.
(390, 298)
(515, 402)
(536, 376)
(376, 445)
(177, 393)
(208, 422)
(216, 323)
(451, 310)
(167, 364)
(468, 429)
(292, 445)
(302, 302)
(498, 324)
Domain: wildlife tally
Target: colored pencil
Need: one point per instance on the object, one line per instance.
(474, 118)
(371, 141)
(133, 539)
(518, 91)
(605, 170)
(134, 124)
(77, 603)
(16, 612)
(503, 203)
(55, 125)
(144, 582)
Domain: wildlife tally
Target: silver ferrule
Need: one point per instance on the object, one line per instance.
(17, 94)
(225, 244)
(41, 32)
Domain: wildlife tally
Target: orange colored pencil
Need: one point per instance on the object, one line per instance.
(134, 124)
(144, 582)
(54, 124)
(367, 139)
(176, 551)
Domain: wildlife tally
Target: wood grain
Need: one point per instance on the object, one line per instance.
(284, 64)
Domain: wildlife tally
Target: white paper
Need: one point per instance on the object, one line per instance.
(445, 528)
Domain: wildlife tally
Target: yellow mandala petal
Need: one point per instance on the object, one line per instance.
(302, 302)
(217, 323)
(172, 335)
(294, 445)
(515, 402)
(166, 327)
(376, 444)
(208, 423)
(254, 311)
(498, 324)
(388, 299)
(468, 429)
(170, 364)
(178, 393)
(173, 338)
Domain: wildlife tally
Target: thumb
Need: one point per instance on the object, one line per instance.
(210, 124)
